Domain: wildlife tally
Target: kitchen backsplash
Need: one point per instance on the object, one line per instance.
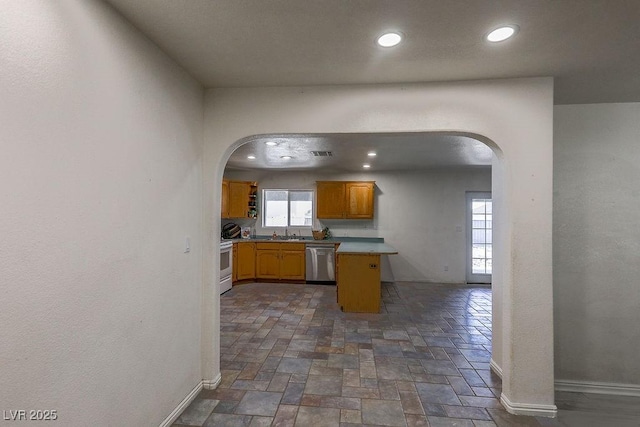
(339, 228)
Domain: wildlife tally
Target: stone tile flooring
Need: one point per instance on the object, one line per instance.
(290, 357)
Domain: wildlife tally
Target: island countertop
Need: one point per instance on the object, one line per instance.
(366, 248)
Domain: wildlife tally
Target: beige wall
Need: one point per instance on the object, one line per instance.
(596, 244)
(102, 180)
(101, 142)
(513, 116)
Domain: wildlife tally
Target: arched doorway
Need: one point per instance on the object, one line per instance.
(513, 117)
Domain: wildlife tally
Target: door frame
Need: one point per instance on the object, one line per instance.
(470, 276)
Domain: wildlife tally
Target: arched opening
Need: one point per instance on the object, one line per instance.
(420, 209)
(522, 348)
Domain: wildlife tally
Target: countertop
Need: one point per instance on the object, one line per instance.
(375, 248)
(308, 239)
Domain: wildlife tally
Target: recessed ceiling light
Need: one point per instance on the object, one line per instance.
(372, 154)
(366, 166)
(251, 157)
(502, 33)
(285, 157)
(271, 143)
(389, 39)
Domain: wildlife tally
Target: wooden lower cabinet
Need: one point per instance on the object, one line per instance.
(244, 262)
(280, 261)
(292, 264)
(358, 281)
(234, 266)
(268, 261)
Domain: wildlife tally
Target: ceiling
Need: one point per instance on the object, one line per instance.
(590, 47)
(350, 151)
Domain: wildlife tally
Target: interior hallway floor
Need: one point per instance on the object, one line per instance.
(290, 357)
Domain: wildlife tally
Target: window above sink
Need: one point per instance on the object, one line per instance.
(287, 208)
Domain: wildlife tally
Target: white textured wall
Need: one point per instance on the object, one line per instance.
(101, 180)
(514, 115)
(416, 212)
(596, 242)
(500, 245)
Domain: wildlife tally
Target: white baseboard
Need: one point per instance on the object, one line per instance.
(549, 411)
(495, 368)
(616, 389)
(182, 406)
(212, 384)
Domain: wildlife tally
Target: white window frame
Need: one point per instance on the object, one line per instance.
(289, 191)
(471, 276)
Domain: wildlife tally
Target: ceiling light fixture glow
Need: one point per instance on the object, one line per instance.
(251, 157)
(389, 39)
(372, 154)
(366, 166)
(271, 143)
(285, 157)
(502, 33)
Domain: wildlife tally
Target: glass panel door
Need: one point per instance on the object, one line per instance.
(479, 237)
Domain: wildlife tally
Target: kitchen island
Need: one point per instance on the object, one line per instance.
(358, 275)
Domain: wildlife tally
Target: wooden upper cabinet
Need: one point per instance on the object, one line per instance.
(344, 199)
(330, 196)
(225, 199)
(359, 200)
(239, 199)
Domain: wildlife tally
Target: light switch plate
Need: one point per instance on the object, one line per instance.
(187, 245)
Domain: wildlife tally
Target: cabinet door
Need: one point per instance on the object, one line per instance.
(238, 199)
(330, 199)
(224, 205)
(267, 264)
(234, 267)
(246, 260)
(359, 200)
(292, 266)
(359, 283)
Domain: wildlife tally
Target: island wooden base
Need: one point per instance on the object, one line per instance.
(358, 280)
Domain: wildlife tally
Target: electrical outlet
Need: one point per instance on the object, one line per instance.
(446, 268)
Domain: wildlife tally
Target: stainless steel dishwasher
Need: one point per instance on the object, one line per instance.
(321, 262)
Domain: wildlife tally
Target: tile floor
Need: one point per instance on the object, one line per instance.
(290, 357)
